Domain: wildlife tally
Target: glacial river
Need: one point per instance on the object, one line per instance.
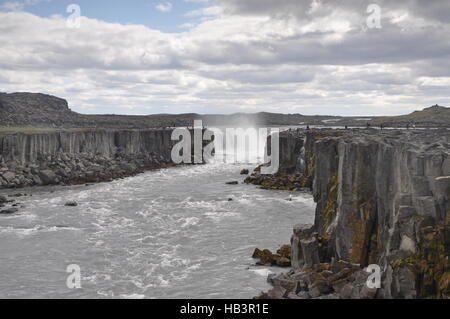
(171, 233)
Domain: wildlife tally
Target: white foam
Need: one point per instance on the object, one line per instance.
(262, 272)
(23, 231)
(190, 221)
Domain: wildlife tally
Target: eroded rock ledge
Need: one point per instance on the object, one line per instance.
(80, 157)
(382, 198)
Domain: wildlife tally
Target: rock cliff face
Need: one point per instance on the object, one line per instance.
(382, 198)
(76, 157)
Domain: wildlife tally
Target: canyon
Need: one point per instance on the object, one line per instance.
(382, 195)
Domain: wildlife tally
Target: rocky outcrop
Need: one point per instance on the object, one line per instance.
(382, 198)
(79, 157)
(23, 109)
(292, 164)
(282, 258)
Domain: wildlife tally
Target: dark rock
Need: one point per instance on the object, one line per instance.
(9, 211)
(284, 251)
(71, 204)
(286, 283)
(9, 176)
(310, 251)
(232, 183)
(277, 292)
(18, 195)
(367, 293)
(344, 273)
(342, 265)
(271, 278)
(320, 288)
(346, 291)
(48, 177)
(283, 262)
(244, 172)
(301, 231)
(265, 257)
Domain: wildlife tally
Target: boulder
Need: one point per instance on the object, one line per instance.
(282, 262)
(284, 251)
(310, 251)
(320, 287)
(71, 204)
(9, 211)
(48, 177)
(265, 257)
(9, 176)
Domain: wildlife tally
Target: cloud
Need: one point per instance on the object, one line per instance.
(19, 5)
(164, 7)
(314, 57)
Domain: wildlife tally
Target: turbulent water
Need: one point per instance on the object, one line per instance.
(171, 233)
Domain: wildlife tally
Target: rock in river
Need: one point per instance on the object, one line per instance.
(9, 211)
(71, 204)
(3, 199)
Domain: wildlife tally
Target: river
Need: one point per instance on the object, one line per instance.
(170, 233)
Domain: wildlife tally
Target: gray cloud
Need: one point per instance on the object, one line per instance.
(276, 55)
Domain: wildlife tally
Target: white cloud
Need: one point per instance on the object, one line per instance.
(280, 56)
(20, 5)
(208, 11)
(164, 7)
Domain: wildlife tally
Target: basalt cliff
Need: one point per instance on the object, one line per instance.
(80, 157)
(382, 207)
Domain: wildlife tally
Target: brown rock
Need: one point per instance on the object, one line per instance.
(285, 251)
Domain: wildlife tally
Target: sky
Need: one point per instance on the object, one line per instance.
(327, 57)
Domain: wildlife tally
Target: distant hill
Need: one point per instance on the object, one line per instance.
(31, 108)
(431, 116)
(41, 110)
